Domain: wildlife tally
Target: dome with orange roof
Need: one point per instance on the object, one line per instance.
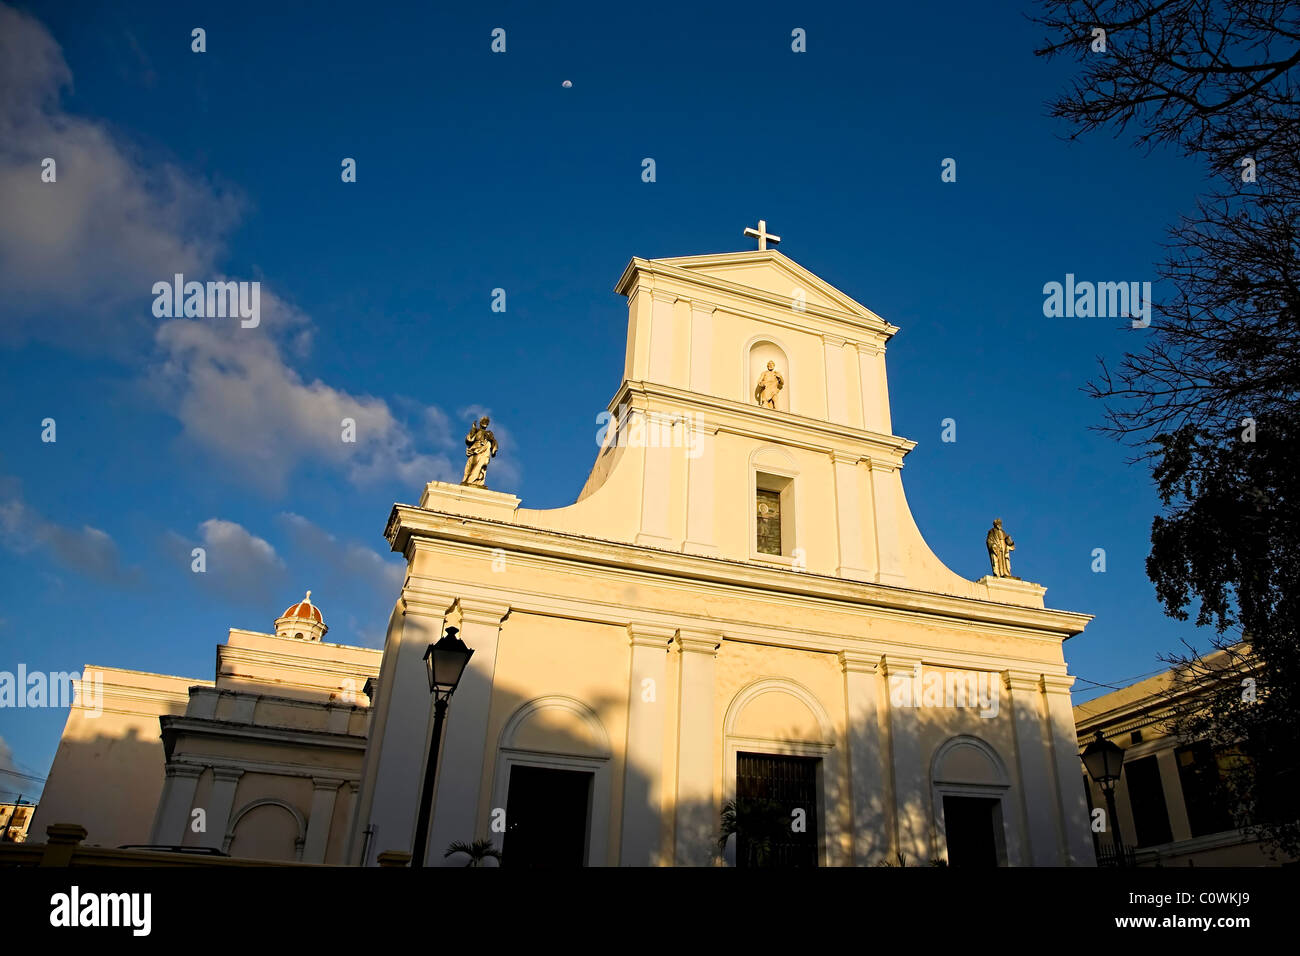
(302, 621)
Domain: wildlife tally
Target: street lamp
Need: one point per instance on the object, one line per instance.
(1104, 761)
(445, 662)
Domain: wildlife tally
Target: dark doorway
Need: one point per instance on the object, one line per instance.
(769, 789)
(546, 818)
(971, 825)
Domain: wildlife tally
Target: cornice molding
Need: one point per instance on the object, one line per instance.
(229, 730)
(738, 418)
(433, 529)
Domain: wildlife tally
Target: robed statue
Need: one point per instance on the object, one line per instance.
(769, 383)
(1000, 547)
(480, 448)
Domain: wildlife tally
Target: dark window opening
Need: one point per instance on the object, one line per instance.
(1146, 797)
(1199, 774)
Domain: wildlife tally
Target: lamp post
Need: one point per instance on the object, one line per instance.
(445, 662)
(1104, 761)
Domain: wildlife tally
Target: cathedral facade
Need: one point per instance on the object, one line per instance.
(735, 647)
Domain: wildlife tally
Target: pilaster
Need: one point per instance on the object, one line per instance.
(173, 816)
(642, 843)
(696, 809)
(1076, 843)
(221, 801)
(464, 742)
(869, 778)
(1033, 752)
(324, 793)
(909, 775)
(848, 510)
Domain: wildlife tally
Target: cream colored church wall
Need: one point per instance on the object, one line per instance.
(115, 754)
(540, 656)
(733, 375)
(269, 830)
(738, 459)
(866, 627)
(779, 721)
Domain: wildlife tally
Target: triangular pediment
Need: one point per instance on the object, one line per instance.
(764, 271)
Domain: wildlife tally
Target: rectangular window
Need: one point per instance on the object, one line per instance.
(769, 521)
(1198, 772)
(1146, 796)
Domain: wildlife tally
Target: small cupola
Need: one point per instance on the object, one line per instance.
(302, 621)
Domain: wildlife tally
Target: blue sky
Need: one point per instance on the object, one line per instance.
(477, 171)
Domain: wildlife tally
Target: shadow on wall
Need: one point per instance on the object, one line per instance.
(956, 786)
(109, 783)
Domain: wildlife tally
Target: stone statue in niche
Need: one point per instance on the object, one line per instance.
(769, 384)
(1000, 547)
(480, 449)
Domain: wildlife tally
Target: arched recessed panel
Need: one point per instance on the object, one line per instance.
(266, 830)
(778, 709)
(970, 761)
(557, 725)
(778, 716)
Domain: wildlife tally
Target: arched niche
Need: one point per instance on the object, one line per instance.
(757, 353)
(275, 828)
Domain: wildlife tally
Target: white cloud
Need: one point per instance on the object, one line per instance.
(87, 550)
(78, 260)
(350, 565)
(93, 242)
(237, 398)
(238, 565)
